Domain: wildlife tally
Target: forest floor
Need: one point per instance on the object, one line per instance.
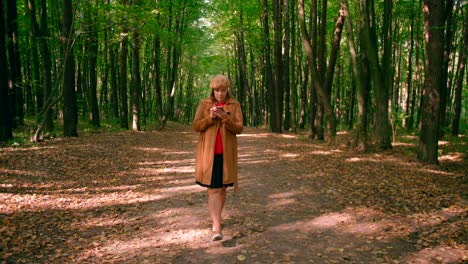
(130, 197)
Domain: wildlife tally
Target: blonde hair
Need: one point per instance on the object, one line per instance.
(219, 81)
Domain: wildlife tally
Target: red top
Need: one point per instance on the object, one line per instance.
(218, 149)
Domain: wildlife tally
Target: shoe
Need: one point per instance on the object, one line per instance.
(217, 237)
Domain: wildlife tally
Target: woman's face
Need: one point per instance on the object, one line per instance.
(220, 94)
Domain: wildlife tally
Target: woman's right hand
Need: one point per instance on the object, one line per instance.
(212, 112)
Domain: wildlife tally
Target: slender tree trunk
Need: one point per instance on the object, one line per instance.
(157, 78)
(444, 84)
(313, 112)
(104, 91)
(335, 48)
(269, 83)
(286, 66)
(82, 79)
(70, 115)
(251, 96)
(352, 102)
(34, 34)
(314, 103)
(93, 52)
(242, 60)
(294, 60)
(459, 82)
(123, 83)
(430, 119)
(123, 77)
(40, 35)
(114, 86)
(46, 68)
(35, 77)
(104, 95)
(305, 81)
(278, 72)
(417, 73)
(409, 74)
(157, 73)
(173, 58)
(321, 62)
(28, 75)
(321, 24)
(136, 81)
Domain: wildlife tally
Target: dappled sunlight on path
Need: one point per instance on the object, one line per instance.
(131, 198)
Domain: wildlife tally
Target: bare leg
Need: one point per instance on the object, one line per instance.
(216, 200)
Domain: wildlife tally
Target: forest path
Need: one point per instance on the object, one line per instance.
(131, 198)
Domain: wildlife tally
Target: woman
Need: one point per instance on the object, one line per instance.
(218, 120)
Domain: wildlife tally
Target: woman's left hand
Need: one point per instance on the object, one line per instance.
(221, 114)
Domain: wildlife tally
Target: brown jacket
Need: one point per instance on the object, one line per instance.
(208, 129)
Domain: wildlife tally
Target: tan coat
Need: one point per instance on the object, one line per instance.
(208, 129)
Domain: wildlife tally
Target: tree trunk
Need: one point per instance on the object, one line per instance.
(70, 114)
(430, 116)
(15, 64)
(104, 92)
(294, 73)
(278, 71)
(28, 75)
(40, 35)
(114, 86)
(46, 67)
(173, 59)
(157, 73)
(93, 50)
(314, 104)
(34, 67)
(251, 96)
(34, 77)
(409, 74)
(286, 65)
(317, 82)
(157, 78)
(417, 73)
(123, 82)
(6, 131)
(361, 128)
(303, 104)
(136, 81)
(380, 78)
(322, 33)
(335, 48)
(242, 60)
(269, 83)
(444, 84)
(123, 75)
(459, 83)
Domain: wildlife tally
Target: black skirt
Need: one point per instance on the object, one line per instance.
(217, 174)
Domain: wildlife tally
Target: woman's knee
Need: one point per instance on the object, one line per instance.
(215, 190)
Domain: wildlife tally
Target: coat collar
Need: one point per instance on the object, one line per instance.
(230, 100)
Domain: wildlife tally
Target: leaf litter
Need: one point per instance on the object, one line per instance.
(130, 198)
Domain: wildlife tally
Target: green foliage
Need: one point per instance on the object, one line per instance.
(205, 43)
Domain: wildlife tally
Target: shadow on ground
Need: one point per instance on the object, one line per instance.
(130, 198)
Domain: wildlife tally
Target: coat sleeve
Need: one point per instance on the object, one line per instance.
(235, 123)
(202, 121)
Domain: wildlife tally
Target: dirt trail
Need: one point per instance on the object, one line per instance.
(131, 198)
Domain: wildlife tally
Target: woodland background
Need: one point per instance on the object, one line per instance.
(376, 68)
(348, 106)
